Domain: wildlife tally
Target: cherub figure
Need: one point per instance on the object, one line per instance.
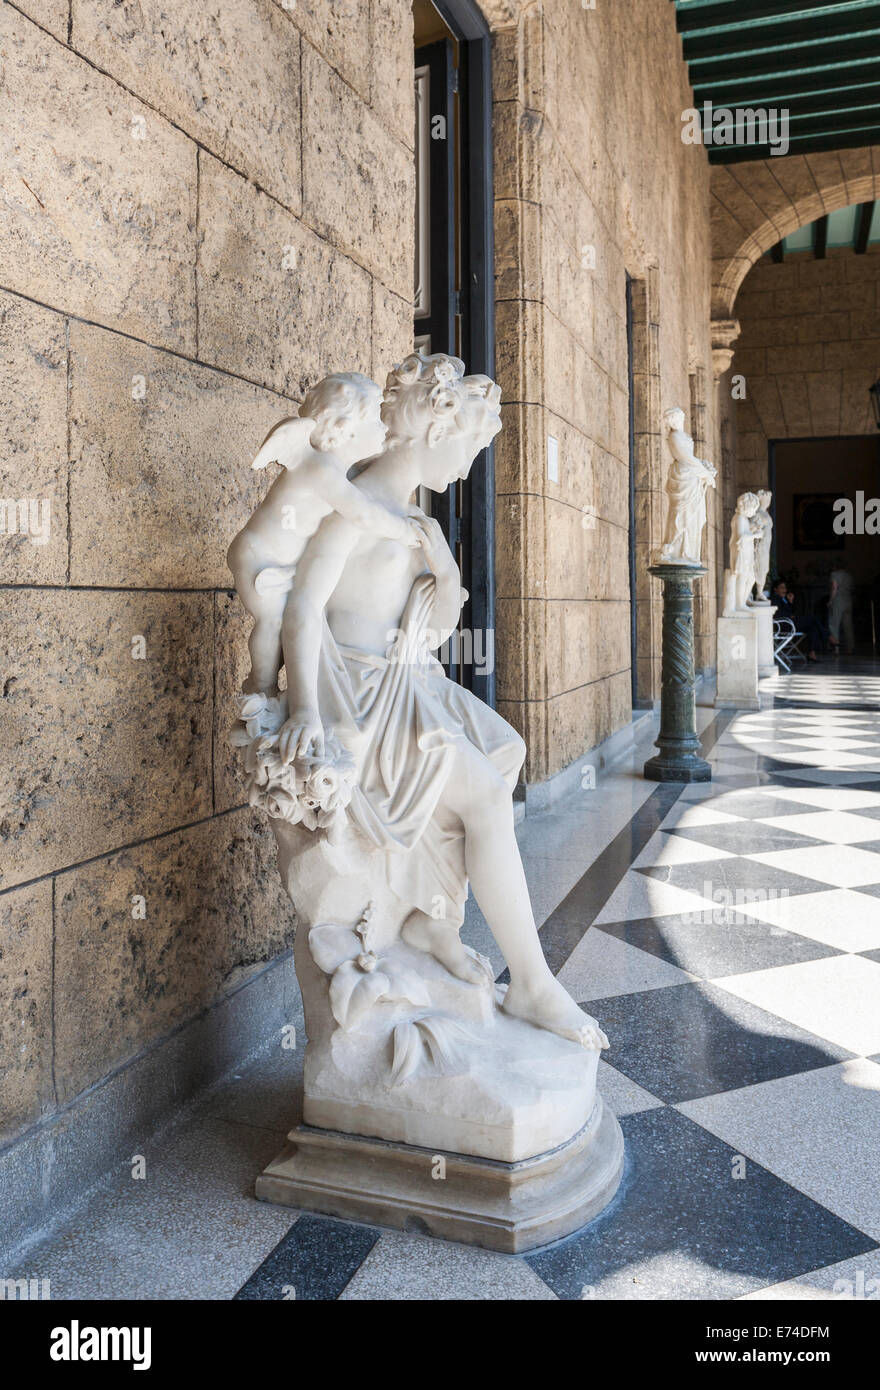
(686, 485)
(339, 424)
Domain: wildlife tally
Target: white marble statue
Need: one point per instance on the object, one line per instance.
(389, 789)
(763, 542)
(686, 485)
(339, 423)
(745, 532)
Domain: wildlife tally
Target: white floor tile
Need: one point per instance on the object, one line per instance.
(837, 998)
(830, 798)
(663, 848)
(601, 966)
(837, 917)
(406, 1267)
(638, 895)
(621, 1095)
(687, 817)
(838, 866)
(856, 1280)
(846, 743)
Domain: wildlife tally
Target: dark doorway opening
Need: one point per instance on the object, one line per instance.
(454, 302)
(824, 523)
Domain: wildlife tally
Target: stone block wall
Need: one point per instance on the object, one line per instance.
(592, 182)
(809, 349)
(205, 208)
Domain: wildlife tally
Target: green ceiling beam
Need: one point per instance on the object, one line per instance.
(819, 123)
(745, 39)
(843, 119)
(809, 102)
(808, 144)
(789, 83)
(717, 12)
(819, 63)
(801, 58)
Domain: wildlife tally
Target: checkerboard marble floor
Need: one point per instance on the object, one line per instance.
(727, 937)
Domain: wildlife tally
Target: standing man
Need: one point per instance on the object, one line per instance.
(840, 610)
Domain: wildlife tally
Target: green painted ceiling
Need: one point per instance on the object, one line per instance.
(856, 227)
(818, 62)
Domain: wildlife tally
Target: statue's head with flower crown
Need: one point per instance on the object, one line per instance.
(431, 404)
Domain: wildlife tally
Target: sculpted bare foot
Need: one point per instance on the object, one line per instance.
(548, 1005)
(442, 941)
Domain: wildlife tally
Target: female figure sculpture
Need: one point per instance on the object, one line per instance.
(389, 788)
(686, 485)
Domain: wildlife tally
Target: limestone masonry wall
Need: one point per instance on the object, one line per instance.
(591, 181)
(809, 350)
(205, 207)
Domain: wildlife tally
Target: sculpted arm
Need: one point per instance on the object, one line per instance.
(447, 591)
(317, 575)
(356, 507)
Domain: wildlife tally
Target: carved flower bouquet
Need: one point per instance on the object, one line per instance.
(312, 791)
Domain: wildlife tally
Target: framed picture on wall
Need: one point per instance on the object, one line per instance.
(813, 522)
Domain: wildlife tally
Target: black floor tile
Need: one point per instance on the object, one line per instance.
(753, 805)
(869, 812)
(867, 781)
(722, 943)
(683, 1226)
(563, 929)
(872, 889)
(693, 1040)
(315, 1260)
(770, 764)
(737, 876)
(872, 846)
(748, 837)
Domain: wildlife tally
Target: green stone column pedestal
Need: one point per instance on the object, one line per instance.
(678, 759)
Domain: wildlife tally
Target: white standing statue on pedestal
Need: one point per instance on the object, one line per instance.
(739, 578)
(389, 787)
(686, 485)
(763, 543)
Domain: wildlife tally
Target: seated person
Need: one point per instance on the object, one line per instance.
(812, 629)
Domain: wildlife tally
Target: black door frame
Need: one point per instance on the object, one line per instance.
(472, 535)
(631, 410)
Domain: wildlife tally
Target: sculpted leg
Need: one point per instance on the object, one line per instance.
(267, 611)
(441, 940)
(482, 799)
(264, 645)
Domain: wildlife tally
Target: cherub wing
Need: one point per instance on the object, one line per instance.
(286, 443)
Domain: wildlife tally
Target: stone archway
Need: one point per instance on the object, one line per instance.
(755, 204)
